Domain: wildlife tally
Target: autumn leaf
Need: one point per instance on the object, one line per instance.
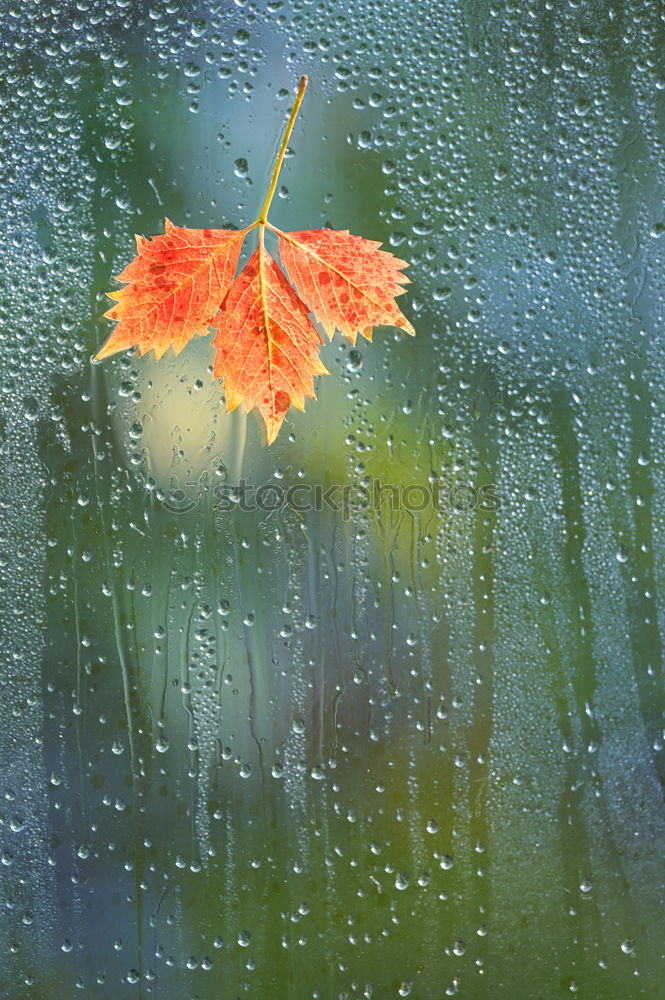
(267, 349)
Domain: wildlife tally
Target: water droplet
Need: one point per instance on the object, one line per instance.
(240, 167)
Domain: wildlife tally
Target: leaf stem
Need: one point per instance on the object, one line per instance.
(282, 150)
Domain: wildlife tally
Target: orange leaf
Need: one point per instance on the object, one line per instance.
(347, 282)
(175, 286)
(267, 348)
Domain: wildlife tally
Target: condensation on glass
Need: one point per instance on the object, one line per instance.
(409, 743)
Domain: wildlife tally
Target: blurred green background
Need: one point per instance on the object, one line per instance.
(359, 753)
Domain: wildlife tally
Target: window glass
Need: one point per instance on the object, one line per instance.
(401, 733)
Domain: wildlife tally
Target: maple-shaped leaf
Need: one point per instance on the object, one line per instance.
(175, 286)
(347, 281)
(267, 348)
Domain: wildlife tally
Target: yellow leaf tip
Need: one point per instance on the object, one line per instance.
(272, 433)
(104, 352)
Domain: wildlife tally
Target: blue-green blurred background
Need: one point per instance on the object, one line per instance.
(359, 753)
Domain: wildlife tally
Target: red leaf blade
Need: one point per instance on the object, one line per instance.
(267, 348)
(174, 287)
(347, 281)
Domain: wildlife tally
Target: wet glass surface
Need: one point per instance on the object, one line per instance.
(409, 743)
